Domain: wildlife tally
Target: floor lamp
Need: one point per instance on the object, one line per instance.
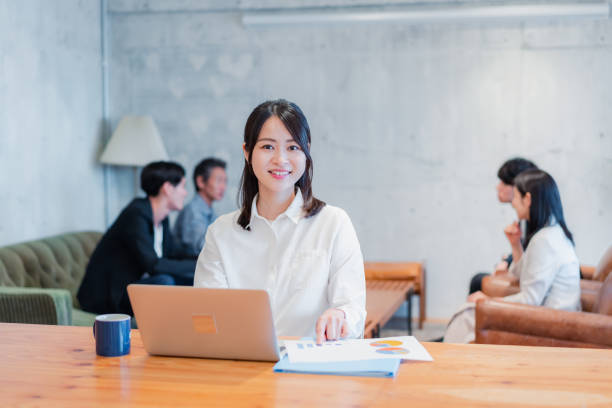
(135, 143)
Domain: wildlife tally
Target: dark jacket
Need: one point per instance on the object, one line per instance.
(124, 254)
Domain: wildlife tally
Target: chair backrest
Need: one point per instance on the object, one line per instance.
(393, 270)
(603, 304)
(604, 267)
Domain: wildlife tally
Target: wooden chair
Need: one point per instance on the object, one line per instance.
(400, 271)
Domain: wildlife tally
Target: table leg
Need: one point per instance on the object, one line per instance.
(409, 310)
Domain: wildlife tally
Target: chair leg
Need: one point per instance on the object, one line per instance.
(422, 302)
(421, 310)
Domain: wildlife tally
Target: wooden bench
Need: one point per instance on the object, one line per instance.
(383, 298)
(400, 271)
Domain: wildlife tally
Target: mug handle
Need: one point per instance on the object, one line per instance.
(94, 330)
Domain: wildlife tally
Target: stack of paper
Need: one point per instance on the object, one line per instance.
(362, 357)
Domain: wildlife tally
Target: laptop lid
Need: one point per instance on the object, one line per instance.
(185, 321)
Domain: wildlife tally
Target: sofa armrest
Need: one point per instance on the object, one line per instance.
(587, 271)
(500, 285)
(500, 322)
(35, 305)
(589, 290)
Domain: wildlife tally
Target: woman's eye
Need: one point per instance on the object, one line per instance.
(294, 147)
(267, 147)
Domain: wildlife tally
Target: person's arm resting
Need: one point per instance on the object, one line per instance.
(140, 243)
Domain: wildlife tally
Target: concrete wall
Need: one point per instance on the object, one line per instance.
(50, 117)
(409, 122)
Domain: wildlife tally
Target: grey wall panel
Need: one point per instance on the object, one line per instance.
(50, 118)
(410, 123)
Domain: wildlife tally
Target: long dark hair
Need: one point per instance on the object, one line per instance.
(545, 201)
(294, 120)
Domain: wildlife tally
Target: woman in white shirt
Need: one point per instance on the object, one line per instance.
(548, 269)
(304, 253)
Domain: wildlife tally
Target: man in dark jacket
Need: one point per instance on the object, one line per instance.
(139, 246)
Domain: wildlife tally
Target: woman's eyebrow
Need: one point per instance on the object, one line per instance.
(269, 139)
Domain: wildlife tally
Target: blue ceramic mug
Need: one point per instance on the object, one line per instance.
(112, 334)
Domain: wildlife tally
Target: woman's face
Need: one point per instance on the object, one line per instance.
(278, 161)
(521, 204)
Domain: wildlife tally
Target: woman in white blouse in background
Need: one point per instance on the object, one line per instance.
(548, 269)
(304, 253)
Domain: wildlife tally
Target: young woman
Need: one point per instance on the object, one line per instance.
(548, 269)
(304, 253)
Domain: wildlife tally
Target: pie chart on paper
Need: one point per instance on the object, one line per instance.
(389, 347)
(392, 350)
(386, 343)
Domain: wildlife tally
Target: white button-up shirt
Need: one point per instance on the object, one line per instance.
(548, 271)
(307, 265)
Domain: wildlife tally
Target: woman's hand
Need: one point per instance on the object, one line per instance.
(513, 233)
(476, 296)
(501, 268)
(332, 325)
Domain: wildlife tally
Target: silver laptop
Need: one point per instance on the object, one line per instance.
(184, 321)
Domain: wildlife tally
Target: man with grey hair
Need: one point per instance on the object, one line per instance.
(210, 181)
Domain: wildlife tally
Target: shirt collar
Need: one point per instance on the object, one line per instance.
(294, 212)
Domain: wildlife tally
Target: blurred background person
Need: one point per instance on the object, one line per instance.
(210, 181)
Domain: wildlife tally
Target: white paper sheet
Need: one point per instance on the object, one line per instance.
(404, 347)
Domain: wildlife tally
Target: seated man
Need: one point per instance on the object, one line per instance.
(209, 179)
(505, 191)
(139, 243)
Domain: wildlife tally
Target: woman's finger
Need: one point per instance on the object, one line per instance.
(331, 328)
(344, 329)
(320, 330)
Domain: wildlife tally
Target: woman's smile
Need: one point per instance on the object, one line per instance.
(279, 174)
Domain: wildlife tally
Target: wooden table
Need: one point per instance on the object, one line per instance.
(57, 366)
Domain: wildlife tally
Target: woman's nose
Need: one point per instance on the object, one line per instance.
(280, 156)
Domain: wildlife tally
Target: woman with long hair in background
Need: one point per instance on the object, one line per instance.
(547, 269)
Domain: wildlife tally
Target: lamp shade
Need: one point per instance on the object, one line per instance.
(135, 142)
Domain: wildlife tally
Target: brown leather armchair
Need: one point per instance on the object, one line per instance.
(504, 285)
(499, 322)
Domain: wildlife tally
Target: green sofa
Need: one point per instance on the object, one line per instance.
(39, 279)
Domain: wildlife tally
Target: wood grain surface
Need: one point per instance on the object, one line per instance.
(57, 366)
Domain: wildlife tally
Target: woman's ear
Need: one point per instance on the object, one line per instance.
(246, 153)
(527, 199)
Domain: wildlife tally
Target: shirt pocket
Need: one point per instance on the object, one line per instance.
(309, 268)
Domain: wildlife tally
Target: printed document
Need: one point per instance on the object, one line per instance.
(403, 347)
